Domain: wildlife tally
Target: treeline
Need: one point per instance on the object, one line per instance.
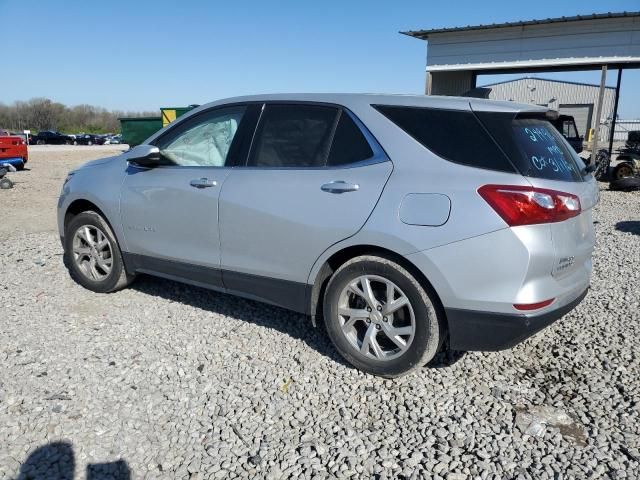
(43, 114)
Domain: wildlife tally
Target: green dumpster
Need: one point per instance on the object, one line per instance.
(136, 130)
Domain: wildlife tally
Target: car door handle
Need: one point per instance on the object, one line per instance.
(339, 186)
(202, 183)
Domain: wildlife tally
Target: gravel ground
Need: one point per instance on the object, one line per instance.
(164, 380)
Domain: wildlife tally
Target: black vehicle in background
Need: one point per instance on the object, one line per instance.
(89, 139)
(51, 137)
(566, 125)
(626, 174)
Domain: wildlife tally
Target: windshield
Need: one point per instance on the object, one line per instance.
(535, 147)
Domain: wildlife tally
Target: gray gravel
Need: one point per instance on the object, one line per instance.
(169, 381)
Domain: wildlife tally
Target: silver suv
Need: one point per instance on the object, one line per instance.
(407, 223)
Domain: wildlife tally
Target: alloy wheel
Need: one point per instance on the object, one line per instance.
(92, 252)
(376, 317)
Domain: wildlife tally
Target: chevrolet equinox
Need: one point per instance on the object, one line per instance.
(407, 223)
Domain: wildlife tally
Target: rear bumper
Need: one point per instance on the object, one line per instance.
(486, 331)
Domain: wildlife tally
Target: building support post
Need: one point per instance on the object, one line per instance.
(596, 131)
(427, 85)
(612, 132)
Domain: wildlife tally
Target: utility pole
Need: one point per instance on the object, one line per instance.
(596, 130)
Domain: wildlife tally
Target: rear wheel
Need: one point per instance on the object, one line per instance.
(5, 184)
(92, 254)
(380, 318)
(40, 142)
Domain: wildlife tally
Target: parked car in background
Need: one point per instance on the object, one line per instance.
(89, 139)
(14, 151)
(51, 137)
(113, 140)
(408, 222)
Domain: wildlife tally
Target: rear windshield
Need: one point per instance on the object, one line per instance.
(535, 146)
(494, 141)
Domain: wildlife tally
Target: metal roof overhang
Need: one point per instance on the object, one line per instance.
(565, 64)
(424, 34)
(567, 43)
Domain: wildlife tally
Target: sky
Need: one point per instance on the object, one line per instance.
(143, 54)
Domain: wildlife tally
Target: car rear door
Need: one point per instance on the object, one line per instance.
(574, 238)
(312, 178)
(544, 156)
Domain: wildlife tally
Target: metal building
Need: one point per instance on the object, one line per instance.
(604, 41)
(570, 98)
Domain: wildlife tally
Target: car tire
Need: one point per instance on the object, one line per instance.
(89, 143)
(625, 184)
(40, 142)
(92, 254)
(5, 184)
(622, 170)
(385, 344)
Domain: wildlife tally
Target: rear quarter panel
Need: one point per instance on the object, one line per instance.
(418, 171)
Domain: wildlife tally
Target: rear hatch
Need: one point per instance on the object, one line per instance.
(541, 154)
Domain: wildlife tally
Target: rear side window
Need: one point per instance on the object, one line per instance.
(349, 144)
(535, 146)
(454, 135)
(294, 136)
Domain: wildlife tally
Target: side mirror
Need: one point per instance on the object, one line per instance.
(144, 155)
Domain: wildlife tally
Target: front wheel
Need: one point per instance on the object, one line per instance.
(380, 318)
(92, 254)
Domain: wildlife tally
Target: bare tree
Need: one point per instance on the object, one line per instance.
(43, 114)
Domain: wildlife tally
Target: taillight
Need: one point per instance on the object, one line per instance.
(518, 205)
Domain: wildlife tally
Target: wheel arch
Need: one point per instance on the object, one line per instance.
(345, 254)
(80, 205)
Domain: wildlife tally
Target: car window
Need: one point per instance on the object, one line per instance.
(349, 144)
(293, 136)
(455, 135)
(206, 143)
(534, 146)
(569, 129)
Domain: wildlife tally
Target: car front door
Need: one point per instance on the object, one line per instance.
(312, 178)
(169, 213)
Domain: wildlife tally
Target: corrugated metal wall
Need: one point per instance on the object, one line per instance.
(570, 98)
(450, 83)
(607, 37)
(623, 127)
